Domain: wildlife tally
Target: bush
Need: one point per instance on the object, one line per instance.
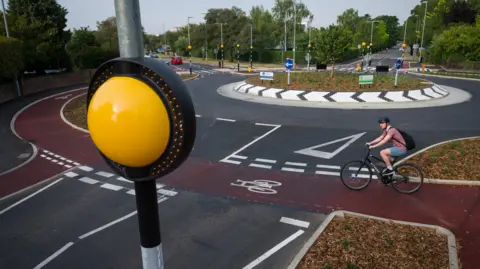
(11, 57)
(92, 57)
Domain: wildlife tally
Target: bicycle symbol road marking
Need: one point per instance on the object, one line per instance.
(258, 185)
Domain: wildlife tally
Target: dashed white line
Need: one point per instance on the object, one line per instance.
(53, 256)
(297, 170)
(104, 174)
(71, 174)
(132, 192)
(223, 119)
(273, 250)
(85, 168)
(328, 173)
(328, 166)
(107, 225)
(159, 186)
(55, 161)
(68, 166)
(56, 156)
(88, 180)
(48, 158)
(111, 187)
(260, 165)
(61, 163)
(198, 116)
(296, 164)
(167, 192)
(78, 164)
(296, 222)
(265, 160)
(266, 124)
(124, 179)
(42, 155)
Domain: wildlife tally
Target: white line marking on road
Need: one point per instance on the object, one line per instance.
(71, 174)
(229, 120)
(53, 256)
(111, 187)
(69, 161)
(328, 173)
(260, 165)
(230, 161)
(56, 156)
(85, 168)
(55, 161)
(78, 164)
(68, 166)
(253, 142)
(198, 116)
(108, 225)
(328, 166)
(296, 222)
(288, 169)
(273, 250)
(296, 164)
(124, 179)
(42, 155)
(30, 196)
(46, 151)
(48, 158)
(132, 192)
(159, 186)
(103, 227)
(265, 160)
(63, 159)
(239, 157)
(61, 163)
(50, 153)
(167, 192)
(104, 174)
(88, 180)
(266, 124)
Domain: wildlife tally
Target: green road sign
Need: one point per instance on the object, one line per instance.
(367, 79)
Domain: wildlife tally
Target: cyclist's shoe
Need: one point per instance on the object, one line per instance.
(387, 172)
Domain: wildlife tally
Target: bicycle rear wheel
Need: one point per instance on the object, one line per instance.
(356, 171)
(409, 176)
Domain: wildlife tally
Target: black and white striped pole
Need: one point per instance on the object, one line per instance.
(141, 119)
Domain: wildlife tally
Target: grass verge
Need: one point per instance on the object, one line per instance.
(457, 74)
(353, 242)
(188, 76)
(226, 62)
(76, 110)
(457, 160)
(321, 81)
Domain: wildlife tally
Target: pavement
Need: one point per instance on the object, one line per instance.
(251, 165)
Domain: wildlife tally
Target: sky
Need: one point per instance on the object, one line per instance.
(159, 14)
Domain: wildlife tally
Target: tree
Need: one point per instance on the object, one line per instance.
(40, 25)
(457, 44)
(85, 50)
(391, 23)
(106, 34)
(11, 57)
(332, 44)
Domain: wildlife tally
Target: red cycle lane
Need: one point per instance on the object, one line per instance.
(453, 207)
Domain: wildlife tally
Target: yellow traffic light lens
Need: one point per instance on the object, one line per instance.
(128, 122)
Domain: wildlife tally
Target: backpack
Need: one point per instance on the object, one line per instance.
(409, 142)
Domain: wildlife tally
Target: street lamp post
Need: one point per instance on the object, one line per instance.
(294, 30)
(189, 45)
(238, 57)
(206, 41)
(423, 31)
(251, 45)
(405, 33)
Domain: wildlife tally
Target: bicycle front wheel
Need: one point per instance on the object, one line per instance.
(356, 175)
(407, 179)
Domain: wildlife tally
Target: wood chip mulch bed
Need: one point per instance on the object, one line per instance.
(457, 160)
(362, 243)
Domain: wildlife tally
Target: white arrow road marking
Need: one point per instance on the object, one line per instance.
(271, 92)
(243, 88)
(344, 97)
(291, 95)
(239, 85)
(431, 93)
(417, 94)
(371, 97)
(311, 151)
(255, 90)
(316, 96)
(397, 97)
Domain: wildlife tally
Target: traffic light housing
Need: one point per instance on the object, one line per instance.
(221, 46)
(140, 117)
(189, 47)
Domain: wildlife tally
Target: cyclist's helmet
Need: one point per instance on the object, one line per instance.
(383, 120)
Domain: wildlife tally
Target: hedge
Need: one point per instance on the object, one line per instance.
(11, 57)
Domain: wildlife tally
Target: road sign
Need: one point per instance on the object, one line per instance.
(399, 63)
(289, 64)
(266, 75)
(307, 57)
(366, 79)
(415, 46)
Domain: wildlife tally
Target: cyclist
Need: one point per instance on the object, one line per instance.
(389, 134)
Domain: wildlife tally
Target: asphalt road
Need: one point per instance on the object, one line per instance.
(198, 231)
(214, 218)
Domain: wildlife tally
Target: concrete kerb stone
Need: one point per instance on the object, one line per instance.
(442, 181)
(451, 244)
(434, 92)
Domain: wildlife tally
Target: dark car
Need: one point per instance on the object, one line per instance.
(176, 60)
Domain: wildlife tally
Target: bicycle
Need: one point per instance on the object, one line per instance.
(366, 165)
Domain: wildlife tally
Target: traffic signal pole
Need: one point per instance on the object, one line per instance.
(130, 41)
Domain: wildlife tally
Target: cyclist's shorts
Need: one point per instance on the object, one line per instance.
(397, 152)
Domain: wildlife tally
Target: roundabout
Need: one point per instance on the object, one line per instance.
(244, 152)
